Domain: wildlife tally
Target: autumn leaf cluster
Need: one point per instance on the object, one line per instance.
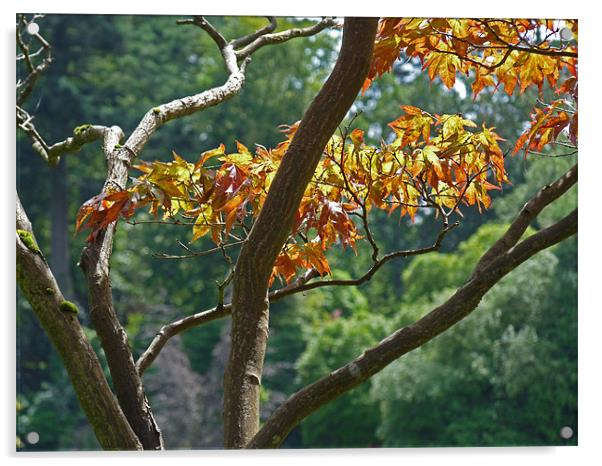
(521, 52)
(439, 162)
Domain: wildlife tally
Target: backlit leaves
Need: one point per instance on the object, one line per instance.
(437, 162)
(495, 52)
(545, 127)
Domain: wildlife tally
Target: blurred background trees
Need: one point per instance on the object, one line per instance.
(507, 375)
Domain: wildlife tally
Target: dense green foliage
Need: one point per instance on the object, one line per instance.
(507, 375)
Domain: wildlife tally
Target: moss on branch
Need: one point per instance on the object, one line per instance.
(79, 130)
(28, 240)
(69, 307)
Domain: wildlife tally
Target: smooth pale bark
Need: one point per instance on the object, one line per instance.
(272, 227)
(66, 334)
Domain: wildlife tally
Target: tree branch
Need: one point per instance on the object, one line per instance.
(82, 135)
(66, 334)
(205, 25)
(192, 254)
(283, 36)
(532, 48)
(528, 213)
(373, 360)
(113, 337)
(246, 40)
(299, 286)
(34, 71)
(286, 291)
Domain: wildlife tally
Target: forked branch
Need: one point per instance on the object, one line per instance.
(373, 360)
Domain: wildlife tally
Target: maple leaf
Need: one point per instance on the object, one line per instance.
(100, 211)
(412, 125)
(443, 65)
(496, 50)
(545, 127)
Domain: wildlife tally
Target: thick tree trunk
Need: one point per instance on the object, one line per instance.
(250, 301)
(65, 332)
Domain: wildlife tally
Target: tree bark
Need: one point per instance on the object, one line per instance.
(250, 312)
(65, 332)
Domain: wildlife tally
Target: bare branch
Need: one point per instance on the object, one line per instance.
(299, 286)
(286, 291)
(188, 105)
(246, 40)
(36, 71)
(177, 108)
(82, 135)
(530, 210)
(201, 22)
(170, 330)
(197, 253)
(279, 37)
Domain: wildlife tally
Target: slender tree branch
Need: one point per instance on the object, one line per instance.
(82, 135)
(174, 328)
(35, 72)
(246, 40)
(201, 22)
(194, 254)
(113, 337)
(531, 48)
(299, 286)
(283, 36)
(178, 108)
(286, 291)
(530, 210)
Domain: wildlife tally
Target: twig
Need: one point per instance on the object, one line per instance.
(193, 254)
(279, 37)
